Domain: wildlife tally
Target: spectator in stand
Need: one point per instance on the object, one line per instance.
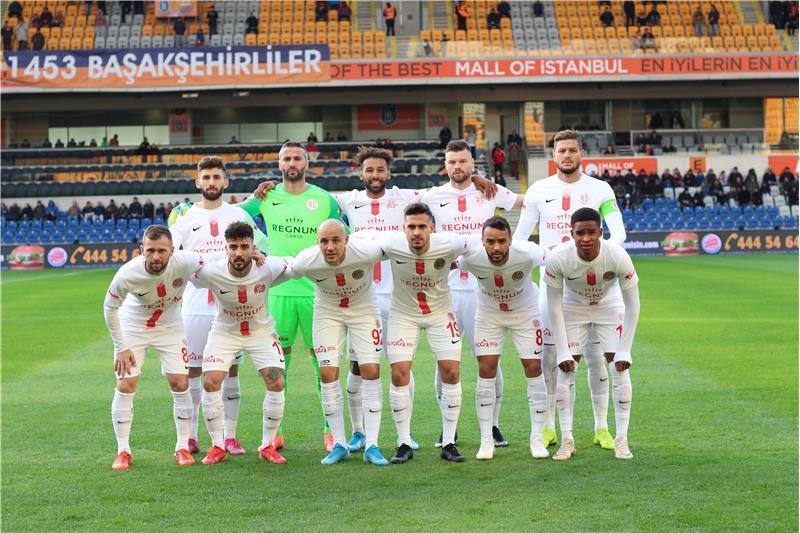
(389, 16)
(629, 7)
(715, 189)
(676, 120)
(514, 158)
(689, 179)
(751, 184)
(498, 178)
(27, 212)
(311, 148)
(341, 137)
(14, 213)
(461, 15)
(252, 24)
(345, 12)
(791, 193)
(668, 148)
(648, 41)
(47, 144)
(427, 49)
(200, 37)
(144, 148)
(654, 17)
(100, 25)
(169, 207)
(8, 36)
(111, 210)
(607, 17)
(493, 20)
(538, 9)
(37, 41)
(72, 143)
(88, 212)
(698, 198)
(46, 17)
(179, 27)
(713, 21)
(655, 138)
(22, 35)
(25, 144)
(610, 150)
(148, 209)
(328, 137)
(504, 9)
(312, 138)
(234, 140)
(59, 143)
(641, 143)
(74, 210)
(498, 157)
(658, 188)
(786, 177)
(472, 142)
(656, 122)
(514, 137)
(685, 199)
(321, 12)
(135, 208)
(38, 211)
(699, 22)
(723, 178)
(160, 213)
(15, 9)
(212, 17)
(734, 176)
(93, 143)
(738, 190)
(99, 211)
(445, 135)
(122, 212)
(769, 177)
(58, 20)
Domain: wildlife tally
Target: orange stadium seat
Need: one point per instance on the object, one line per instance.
(75, 43)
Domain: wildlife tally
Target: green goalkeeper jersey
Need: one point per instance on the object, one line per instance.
(292, 221)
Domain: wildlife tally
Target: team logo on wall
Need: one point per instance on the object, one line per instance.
(388, 114)
(438, 264)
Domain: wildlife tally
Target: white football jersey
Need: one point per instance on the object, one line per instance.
(379, 214)
(343, 285)
(549, 203)
(241, 301)
(203, 231)
(463, 211)
(148, 301)
(590, 283)
(506, 287)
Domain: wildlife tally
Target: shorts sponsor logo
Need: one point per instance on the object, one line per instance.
(608, 276)
(711, 243)
(401, 343)
(574, 344)
(312, 204)
(518, 275)
(57, 257)
(177, 283)
(260, 288)
(547, 332)
(358, 274)
(486, 344)
(196, 357)
(439, 264)
(324, 349)
(212, 359)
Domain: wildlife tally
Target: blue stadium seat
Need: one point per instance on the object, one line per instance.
(647, 203)
(122, 223)
(146, 222)
(36, 225)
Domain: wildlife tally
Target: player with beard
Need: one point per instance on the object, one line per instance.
(201, 228)
(293, 211)
(549, 203)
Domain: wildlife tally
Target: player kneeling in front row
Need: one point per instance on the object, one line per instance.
(149, 289)
(344, 302)
(588, 267)
(242, 323)
(507, 301)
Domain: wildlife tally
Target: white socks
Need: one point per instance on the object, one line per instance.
(355, 401)
(450, 405)
(484, 405)
(622, 393)
(333, 405)
(537, 403)
(598, 384)
(400, 400)
(122, 418)
(214, 413)
(372, 405)
(565, 400)
(196, 391)
(498, 396)
(182, 413)
(231, 398)
(272, 414)
(550, 373)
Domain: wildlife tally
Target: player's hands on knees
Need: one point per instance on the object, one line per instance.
(567, 366)
(259, 258)
(263, 188)
(124, 362)
(621, 366)
(487, 187)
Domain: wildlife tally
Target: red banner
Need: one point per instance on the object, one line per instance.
(389, 117)
(616, 165)
(778, 162)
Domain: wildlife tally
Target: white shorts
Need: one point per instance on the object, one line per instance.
(332, 326)
(167, 340)
(197, 328)
(384, 301)
(525, 327)
(465, 304)
(223, 347)
(402, 336)
(604, 321)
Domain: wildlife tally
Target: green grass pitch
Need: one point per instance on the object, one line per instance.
(714, 428)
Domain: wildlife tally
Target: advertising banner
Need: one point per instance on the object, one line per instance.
(778, 162)
(176, 8)
(618, 165)
(687, 243)
(41, 256)
(389, 117)
(253, 66)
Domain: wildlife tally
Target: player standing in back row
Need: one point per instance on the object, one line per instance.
(549, 203)
(292, 212)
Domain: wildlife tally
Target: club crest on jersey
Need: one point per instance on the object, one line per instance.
(608, 276)
(312, 204)
(260, 288)
(584, 198)
(177, 283)
(439, 264)
(358, 274)
(518, 275)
